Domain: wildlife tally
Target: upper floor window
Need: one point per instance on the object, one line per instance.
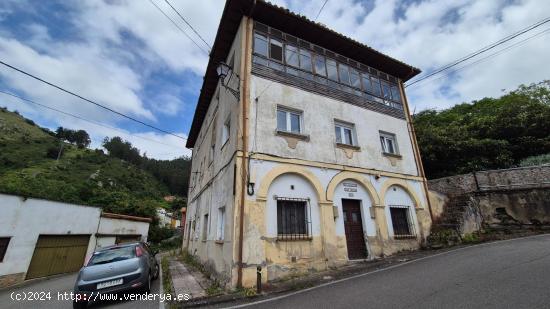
(345, 133)
(220, 231)
(260, 44)
(289, 120)
(276, 49)
(285, 53)
(388, 142)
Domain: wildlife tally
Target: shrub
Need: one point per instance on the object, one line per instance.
(535, 160)
(53, 152)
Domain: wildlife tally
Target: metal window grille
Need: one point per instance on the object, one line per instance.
(293, 218)
(402, 222)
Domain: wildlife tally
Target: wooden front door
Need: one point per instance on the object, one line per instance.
(353, 224)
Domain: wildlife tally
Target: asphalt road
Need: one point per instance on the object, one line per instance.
(62, 284)
(505, 274)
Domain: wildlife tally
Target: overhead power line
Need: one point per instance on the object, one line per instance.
(488, 57)
(482, 50)
(188, 24)
(90, 101)
(177, 26)
(320, 10)
(97, 123)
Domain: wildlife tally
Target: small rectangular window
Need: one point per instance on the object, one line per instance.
(388, 143)
(332, 71)
(291, 55)
(365, 78)
(343, 71)
(320, 68)
(220, 234)
(4, 242)
(305, 60)
(292, 219)
(205, 228)
(275, 49)
(289, 120)
(345, 133)
(260, 44)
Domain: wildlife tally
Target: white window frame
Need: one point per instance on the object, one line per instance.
(220, 231)
(341, 126)
(226, 130)
(288, 112)
(384, 138)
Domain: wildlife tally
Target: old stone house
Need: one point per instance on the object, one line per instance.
(304, 156)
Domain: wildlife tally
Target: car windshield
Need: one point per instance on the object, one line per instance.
(113, 255)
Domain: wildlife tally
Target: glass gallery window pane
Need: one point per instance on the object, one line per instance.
(366, 82)
(395, 95)
(386, 92)
(260, 44)
(375, 82)
(305, 60)
(294, 123)
(331, 70)
(338, 134)
(355, 81)
(320, 68)
(291, 55)
(276, 49)
(281, 120)
(344, 73)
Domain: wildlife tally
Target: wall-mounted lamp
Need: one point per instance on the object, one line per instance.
(223, 71)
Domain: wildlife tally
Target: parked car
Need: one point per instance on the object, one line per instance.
(115, 269)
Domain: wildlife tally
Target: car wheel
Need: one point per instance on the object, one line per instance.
(80, 304)
(157, 270)
(147, 287)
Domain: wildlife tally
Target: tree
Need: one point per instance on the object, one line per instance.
(486, 134)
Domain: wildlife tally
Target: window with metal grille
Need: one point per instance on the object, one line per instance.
(293, 219)
(4, 242)
(401, 222)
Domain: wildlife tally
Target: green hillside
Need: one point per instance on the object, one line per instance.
(28, 167)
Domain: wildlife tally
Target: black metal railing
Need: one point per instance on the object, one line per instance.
(293, 218)
(402, 223)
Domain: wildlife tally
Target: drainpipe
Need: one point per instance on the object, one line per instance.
(416, 149)
(245, 101)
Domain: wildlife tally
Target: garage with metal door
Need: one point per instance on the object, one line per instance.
(57, 254)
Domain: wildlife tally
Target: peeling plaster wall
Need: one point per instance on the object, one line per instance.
(212, 178)
(319, 114)
(328, 244)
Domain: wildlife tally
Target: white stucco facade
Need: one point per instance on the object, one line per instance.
(23, 220)
(262, 169)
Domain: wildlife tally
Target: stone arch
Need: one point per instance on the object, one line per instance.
(344, 175)
(403, 184)
(289, 169)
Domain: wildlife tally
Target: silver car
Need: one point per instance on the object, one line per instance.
(115, 269)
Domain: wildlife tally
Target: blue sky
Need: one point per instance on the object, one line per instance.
(128, 56)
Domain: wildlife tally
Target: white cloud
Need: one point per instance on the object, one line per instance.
(120, 45)
(429, 34)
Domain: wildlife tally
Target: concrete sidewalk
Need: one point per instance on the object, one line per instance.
(187, 282)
